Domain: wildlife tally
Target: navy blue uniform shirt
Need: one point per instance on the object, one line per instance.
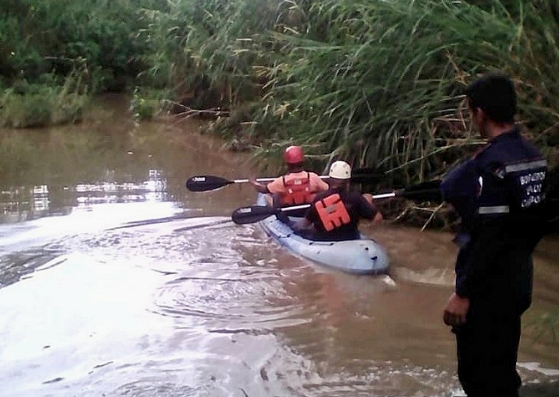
(493, 192)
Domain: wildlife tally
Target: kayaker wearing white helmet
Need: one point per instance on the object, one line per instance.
(297, 186)
(335, 213)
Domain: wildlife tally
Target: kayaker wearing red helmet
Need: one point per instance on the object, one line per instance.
(297, 186)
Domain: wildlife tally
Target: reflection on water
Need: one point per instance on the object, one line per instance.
(20, 204)
(109, 159)
(116, 281)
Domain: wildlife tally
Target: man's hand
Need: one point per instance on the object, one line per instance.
(260, 187)
(456, 310)
(301, 224)
(378, 217)
(252, 180)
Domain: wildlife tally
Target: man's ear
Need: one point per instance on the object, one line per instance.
(479, 118)
(478, 114)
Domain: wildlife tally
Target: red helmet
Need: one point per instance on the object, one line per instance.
(294, 155)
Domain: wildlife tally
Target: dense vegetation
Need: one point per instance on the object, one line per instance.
(55, 52)
(374, 82)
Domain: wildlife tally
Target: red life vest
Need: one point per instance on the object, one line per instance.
(298, 191)
(332, 212)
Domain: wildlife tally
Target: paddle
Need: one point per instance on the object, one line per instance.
(426, 191)
(255, 213)
(367, 175)
(204, 183)
(148, 222)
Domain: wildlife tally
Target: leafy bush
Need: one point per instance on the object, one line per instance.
(39, 105)
(60, 35)
(147, 103)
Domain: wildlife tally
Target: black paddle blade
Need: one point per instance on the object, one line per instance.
(424, 191)
(204, 183)
(367, 175)
(252, 214)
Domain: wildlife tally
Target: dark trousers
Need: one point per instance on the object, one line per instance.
(487, 353)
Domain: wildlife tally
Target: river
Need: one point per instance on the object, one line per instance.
(117, 281)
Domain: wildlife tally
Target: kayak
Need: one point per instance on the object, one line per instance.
(363, 256)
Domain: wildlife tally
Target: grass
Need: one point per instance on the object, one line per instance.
(40, 105)
(377, 83)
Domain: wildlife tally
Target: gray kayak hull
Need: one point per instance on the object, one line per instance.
(363, 256)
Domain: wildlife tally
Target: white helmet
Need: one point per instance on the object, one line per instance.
(340, 170)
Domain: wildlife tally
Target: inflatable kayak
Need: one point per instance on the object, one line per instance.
(363, 256)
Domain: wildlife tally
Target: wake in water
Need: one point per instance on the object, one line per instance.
(200, 307)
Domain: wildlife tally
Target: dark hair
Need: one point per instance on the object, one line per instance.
(494, 94)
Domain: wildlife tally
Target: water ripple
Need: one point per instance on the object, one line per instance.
(254, 303)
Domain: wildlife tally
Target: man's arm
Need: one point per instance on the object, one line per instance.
(307, 221)
(316, 183)
(277, 186)
(378, 215)
(260, 187)
(301, 224)
(367, 209)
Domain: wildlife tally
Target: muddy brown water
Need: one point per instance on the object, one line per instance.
(117, 281)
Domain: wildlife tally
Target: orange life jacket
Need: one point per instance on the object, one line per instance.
(298, 191)
(332, 212)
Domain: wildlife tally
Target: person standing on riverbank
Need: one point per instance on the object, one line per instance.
(495, 192)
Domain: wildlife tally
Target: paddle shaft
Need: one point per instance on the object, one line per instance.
(205, 183)
(301, 206)
(267, 179)
(384, 195)
(203, 225)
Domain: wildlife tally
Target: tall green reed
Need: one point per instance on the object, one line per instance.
(375, 82)
(379, 82)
